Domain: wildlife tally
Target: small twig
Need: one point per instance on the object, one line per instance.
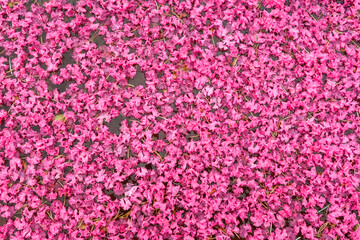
(251, 65)
(171, 142)
(344, 207)
(134, 29)
(246, 117)
(282, 86)
(265, 205)
(147, 128)
(79, 224)
(158, 155)
(237, 235)
(198, 135)
(274, 189)
(10, 63)
(50, 214)
(223, 230)
(128, 152)
(355, 43)
(157, 40)
(129, 225)
(256, 46)
(11, 107)
(114, 218)
(235, 60)
(9, 71)
(60, 183)
(206, 119)
(339, 32)
(311, 15)
(135, 120)
(94, 36)
(323, 227)
(338, 83)
(172, 10)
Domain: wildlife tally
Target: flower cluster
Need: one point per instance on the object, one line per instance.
(180, 119)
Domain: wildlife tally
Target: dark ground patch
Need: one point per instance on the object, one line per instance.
(139, 78)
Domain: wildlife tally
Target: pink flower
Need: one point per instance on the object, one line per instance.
(3, 114)
(199, 82)
(180, 120)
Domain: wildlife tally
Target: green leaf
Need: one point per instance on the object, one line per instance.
(60, 117)
(10, 4)
(357, 227)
